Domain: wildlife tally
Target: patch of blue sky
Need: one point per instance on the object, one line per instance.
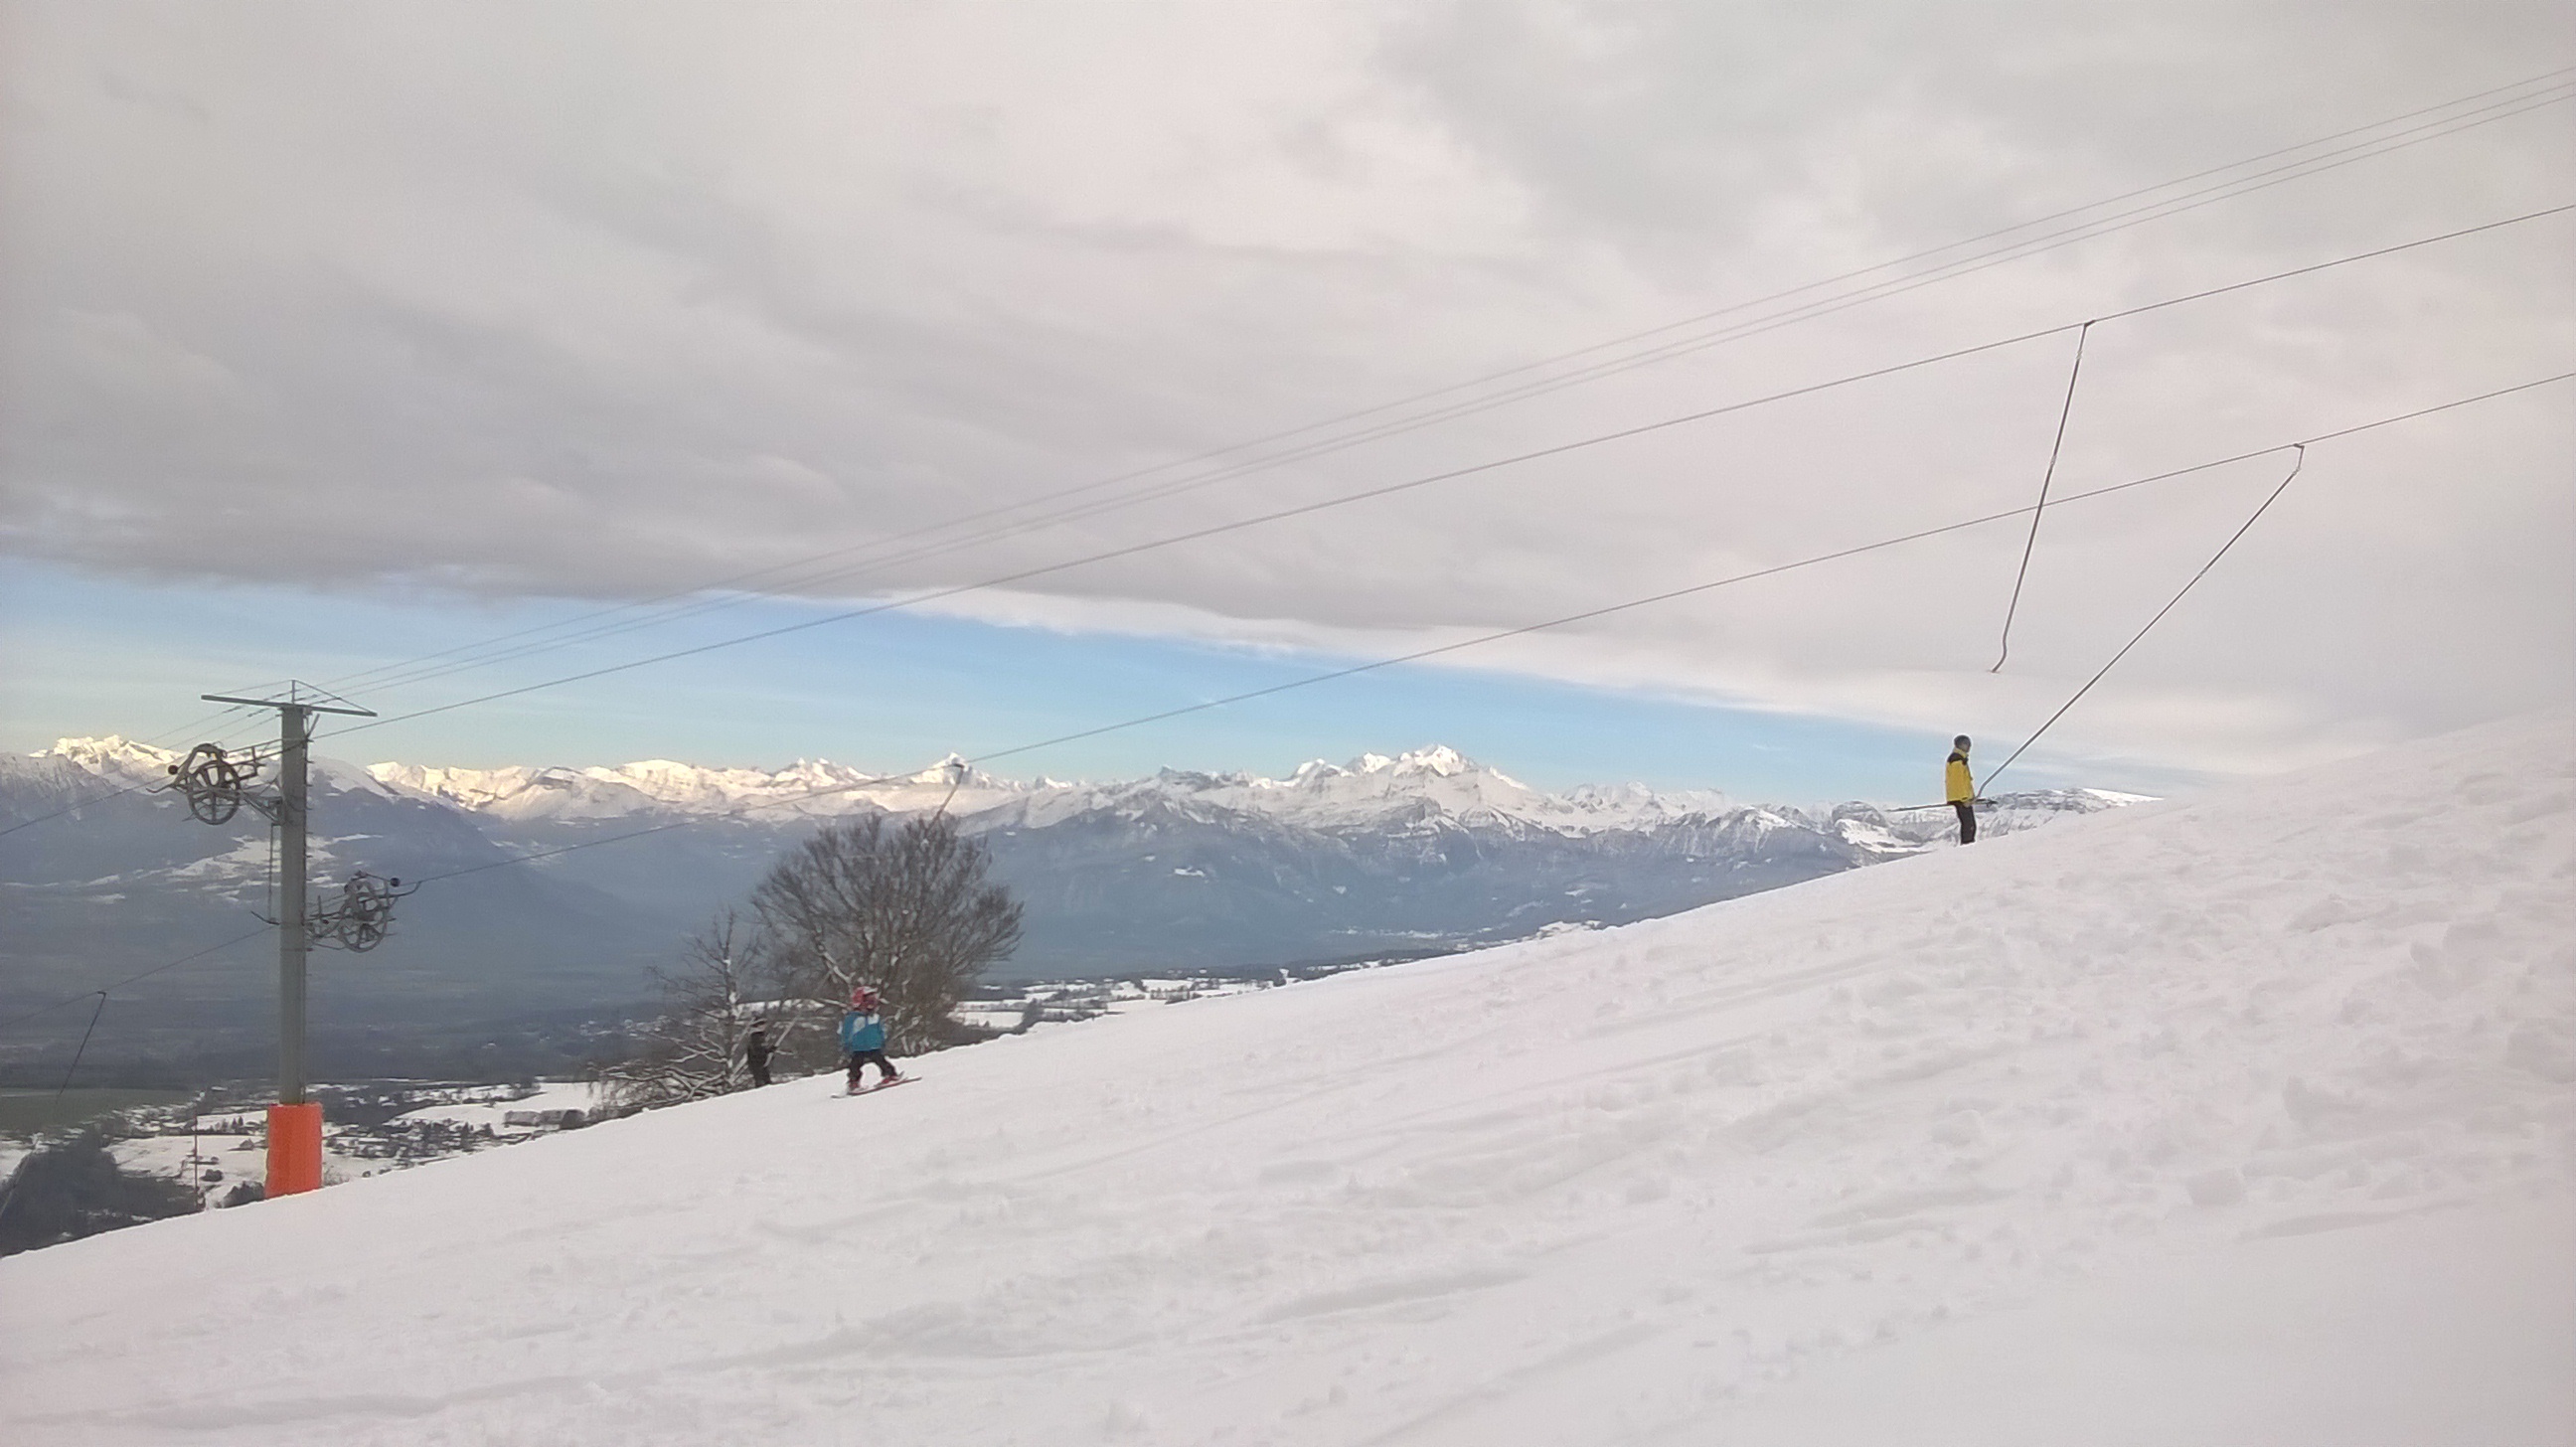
(899, 690)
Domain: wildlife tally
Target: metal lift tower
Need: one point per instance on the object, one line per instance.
(295, 1122)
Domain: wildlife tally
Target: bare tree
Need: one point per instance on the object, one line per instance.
(906, 908)
(710, 1004)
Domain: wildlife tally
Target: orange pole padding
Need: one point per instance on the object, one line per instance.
(294, 1148)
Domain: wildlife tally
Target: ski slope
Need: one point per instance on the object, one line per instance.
(2244, 1121)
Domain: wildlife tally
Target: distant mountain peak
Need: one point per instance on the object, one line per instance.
(1431, 787)
(1397, 852)
(113, 753)
(106, 746)
(951, 770)
(1423, 785)
(1439, 759)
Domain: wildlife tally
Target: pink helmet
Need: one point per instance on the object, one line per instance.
(863, 998)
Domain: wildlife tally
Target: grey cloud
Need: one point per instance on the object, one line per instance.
(601, 301)
(1665, 127)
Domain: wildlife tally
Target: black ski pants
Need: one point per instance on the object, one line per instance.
(1967, 820)
(876, 1058)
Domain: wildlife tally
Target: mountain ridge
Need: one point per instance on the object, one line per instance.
(1361, 793)
(1388, 855)
(1318, 792)
(1657, 1184)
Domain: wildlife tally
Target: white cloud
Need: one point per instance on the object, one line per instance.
(604, 300)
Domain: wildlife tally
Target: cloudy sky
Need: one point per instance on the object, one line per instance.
(340, 337)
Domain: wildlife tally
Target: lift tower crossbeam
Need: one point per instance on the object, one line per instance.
(295, 1122)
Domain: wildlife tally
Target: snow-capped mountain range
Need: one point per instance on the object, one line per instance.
(1423, 788)
(1370, 791)
(2242, 1122)
(1374, 792)
(1387, 854)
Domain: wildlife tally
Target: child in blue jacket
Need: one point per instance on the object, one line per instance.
(863, 1035)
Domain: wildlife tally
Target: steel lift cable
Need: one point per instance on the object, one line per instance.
(1690, 345)
(953, 591)
(2296, 464)
(694, 606)
(82, 1049)
(186, 959)
(2033, 511)
(2004, 649)
(1620, 607)
(1158, 491)
(1418, 655)
(161, 740)
(1390, 489)
(2096, 227)
(2518, 103)
(141, 786)
(250, 724)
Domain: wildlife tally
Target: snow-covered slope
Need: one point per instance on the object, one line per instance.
(2248, 1121)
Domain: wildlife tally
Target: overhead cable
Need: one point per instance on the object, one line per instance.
(2296, 464)
(157, 741)
(1418, 655)
(81, 1049)
(1452, 474)
(2004, 648)
(405, 673)
(1649, 600)
(185, 959)
(1389, 489)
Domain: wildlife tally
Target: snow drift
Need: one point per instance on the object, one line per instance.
(2243, 1121)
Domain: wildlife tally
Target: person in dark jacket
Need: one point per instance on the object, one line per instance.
(863, 1034)
(756, 1051)
(1960, 788)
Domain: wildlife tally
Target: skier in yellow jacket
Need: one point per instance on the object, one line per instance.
(1961, 789)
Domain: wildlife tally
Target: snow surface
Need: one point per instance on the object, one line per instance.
(1425, 790)
(118, 759)
(553, 1095)
(2251, 1121)
(114, 756)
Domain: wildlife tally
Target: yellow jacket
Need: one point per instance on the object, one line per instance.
(1962, 787)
